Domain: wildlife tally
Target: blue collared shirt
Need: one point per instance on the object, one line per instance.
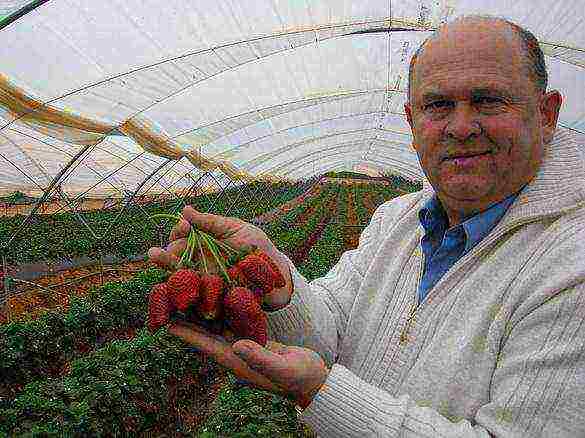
(442, 248)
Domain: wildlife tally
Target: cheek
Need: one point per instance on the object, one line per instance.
(428, 135)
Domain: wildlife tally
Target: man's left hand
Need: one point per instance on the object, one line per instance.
(291, 371)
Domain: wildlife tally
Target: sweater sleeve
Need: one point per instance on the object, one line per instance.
(316, 316)
(537, 390)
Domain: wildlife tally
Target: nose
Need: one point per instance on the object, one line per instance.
(462, 123)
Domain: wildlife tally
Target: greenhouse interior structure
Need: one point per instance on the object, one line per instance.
(116, 115)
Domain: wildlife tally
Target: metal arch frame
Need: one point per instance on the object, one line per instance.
(48, 190)
(400, 170)
(316, 101)
(401, 166)
(258, 161)
(315, 122)
(68, 153)
(286, 34)
(340, 157)
(414, 26)
(338, 152)
(339, 145)
(135, 193)
(21, 12)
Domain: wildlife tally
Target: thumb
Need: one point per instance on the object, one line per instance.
(266, 361)
(218, 226)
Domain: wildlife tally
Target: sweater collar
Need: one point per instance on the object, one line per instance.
(558, 186)
(433, 218)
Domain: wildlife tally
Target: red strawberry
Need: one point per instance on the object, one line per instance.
(258, 272)
(237, 276)
(185, 299)
(209, 305)
(244, 315)
(279, 280)
(184, 282)
(159, 307)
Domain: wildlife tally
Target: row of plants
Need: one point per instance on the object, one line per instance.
(124, 388)
(30, 349)
(301, 212)
(312, 190)
(103, 388)
(401, 183)
(124, 232)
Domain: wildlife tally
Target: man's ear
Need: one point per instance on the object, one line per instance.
(550, 106)
(408, 112)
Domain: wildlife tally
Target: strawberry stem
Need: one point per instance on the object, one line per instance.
(213, 249)
(177, 217)
(223, 245)
(202, 254)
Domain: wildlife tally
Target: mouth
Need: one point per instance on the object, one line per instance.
(466, 155)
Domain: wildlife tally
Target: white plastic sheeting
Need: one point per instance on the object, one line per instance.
(274, 86)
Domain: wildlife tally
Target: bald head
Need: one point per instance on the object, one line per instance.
(533, 57)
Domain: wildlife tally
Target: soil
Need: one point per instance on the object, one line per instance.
(75, 281)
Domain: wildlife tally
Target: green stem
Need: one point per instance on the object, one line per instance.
(213, 249)
(202, 254)
(177, 217)
(223, 245)
(190, 245)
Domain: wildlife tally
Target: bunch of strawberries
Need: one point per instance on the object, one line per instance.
(232, 296)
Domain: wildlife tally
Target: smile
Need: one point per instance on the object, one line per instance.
(468, 161)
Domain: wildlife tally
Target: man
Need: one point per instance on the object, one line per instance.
(462, 311)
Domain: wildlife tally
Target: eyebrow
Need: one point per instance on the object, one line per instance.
(433, 96)
(489, 92)
(477, 92)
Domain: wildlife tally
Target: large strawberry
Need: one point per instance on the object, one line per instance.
(184, 288)
(237, 276)
(159, 307)
(244, 315)
(258, 272)
(210, 305)
(279, 280)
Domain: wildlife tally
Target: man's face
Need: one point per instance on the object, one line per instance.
(471, 93)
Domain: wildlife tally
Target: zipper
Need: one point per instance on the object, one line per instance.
(415, 305)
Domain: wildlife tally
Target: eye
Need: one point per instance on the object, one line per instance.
(438, 105)
(488, 100)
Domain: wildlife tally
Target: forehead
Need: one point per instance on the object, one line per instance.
(465, 56)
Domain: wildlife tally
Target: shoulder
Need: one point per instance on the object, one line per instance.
(393, 210)
(555, 264)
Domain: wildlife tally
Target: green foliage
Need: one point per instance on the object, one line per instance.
(30, 349)
(119, 389)
(126, 232)
(241, 411)
(324, 254)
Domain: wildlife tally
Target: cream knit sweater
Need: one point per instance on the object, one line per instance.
(497, 349)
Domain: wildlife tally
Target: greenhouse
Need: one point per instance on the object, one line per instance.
(299, 126)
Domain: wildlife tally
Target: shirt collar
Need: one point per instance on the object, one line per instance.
(475, 227)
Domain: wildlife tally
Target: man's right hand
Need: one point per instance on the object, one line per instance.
(238, 234)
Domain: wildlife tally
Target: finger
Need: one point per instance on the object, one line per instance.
(221, 351)
(162, 258)
(219, 226)
(180, 230)
(176, 247)
(263, 360)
